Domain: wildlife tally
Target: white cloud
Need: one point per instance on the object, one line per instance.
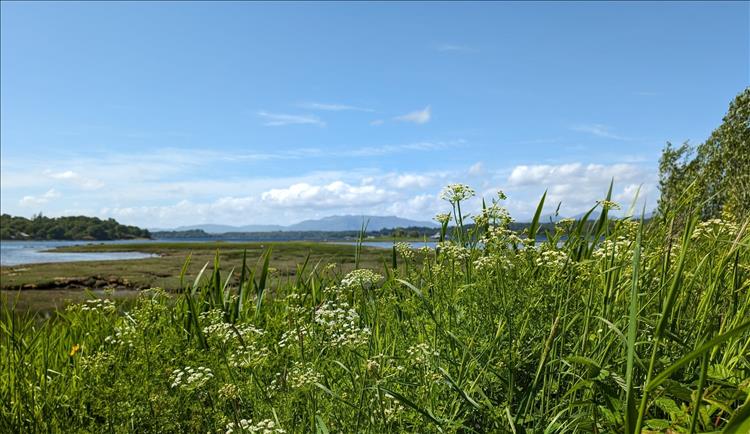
(598, 130)
(476, 169)
(564, 174)
(370, 151)
(39, 200)
(418, 117)
(333, 107)
(576, 185)
(377, 122)
(335, 194)
(420, 207)
(76, 178)
(281, 119)
(409, 180)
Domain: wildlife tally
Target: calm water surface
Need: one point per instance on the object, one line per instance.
(36, 252)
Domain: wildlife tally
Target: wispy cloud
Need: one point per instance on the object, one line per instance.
(39, 200)
(76, 178)
(418, 117)
(476, 169)
(281, 119)
(371, 151)
(598, 130)
(377, 122)
(456, 47)
(333, 107)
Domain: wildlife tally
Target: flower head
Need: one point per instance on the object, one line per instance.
(455, 193)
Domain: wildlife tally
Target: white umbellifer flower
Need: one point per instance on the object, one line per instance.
(293, 336)
(405, 250)
(420, 354)
(361, 278)
(229, 391)
(99, 305)
(496, 214)
(189, 378)
(125, 335)
(453, 252)
(454, 193)
(619, 247)
(249, 356)
(303, 375)
(225, 332)
(608, 204)
(552, 258)
(443, 218)
(372, 366)
(212, 316)
(265, 426)
(340, 324)
(714, 228)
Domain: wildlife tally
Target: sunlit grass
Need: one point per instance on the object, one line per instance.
(616, 326)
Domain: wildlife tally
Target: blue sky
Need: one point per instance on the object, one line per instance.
(164, 114)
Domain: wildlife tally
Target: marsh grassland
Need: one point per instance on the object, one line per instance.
(42, 288)
(616, 326)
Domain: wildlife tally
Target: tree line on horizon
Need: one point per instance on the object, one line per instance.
(40, 227)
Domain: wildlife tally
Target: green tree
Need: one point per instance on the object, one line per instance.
(717, 172)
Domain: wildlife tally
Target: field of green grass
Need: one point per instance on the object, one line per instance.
(615, 327)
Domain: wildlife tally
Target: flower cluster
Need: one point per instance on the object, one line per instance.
(443, 218)
(488, 264)
(608, 204)
(617, 248)
(211, 316)
(124, 336)
(224, 332)
(229, 391)
(295, 305)
(249, 356)
(500, 238)
(715, 228)
(555, 259)
(363, 278)
(453, 251)
(100, 305)
(191, 378)
(565, 224)
(340, 324)
(494, 214)
(391, 407)
(266, 426)
(454, 193)
(405, 250)
(292, 336)
(420, 354)
(303, 375)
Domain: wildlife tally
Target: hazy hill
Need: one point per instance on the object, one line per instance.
(329, 224)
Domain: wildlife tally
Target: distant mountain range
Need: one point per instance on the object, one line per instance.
(330, 224)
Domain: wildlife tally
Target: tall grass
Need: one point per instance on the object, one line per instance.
(617, 326)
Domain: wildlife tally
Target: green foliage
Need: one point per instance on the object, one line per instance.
(607, 327)
(66, 228)
(717, 172)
